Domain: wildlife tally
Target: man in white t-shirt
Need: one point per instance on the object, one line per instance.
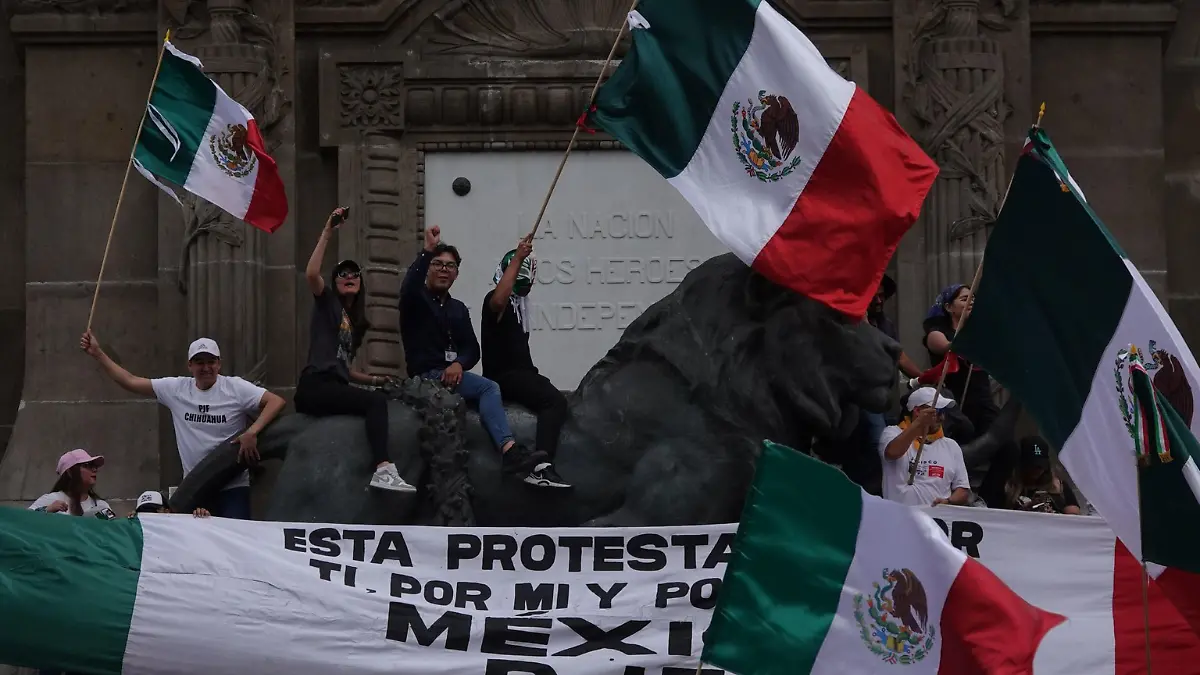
(207, 409)
(941, 476)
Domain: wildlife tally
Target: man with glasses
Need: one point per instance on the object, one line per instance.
(940, 476)
(440, 344)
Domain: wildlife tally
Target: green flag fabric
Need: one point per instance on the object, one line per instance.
(1058, 308)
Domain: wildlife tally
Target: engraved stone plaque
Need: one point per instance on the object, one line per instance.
(616, 238)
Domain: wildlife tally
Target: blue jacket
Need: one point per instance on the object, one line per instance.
(430, 328)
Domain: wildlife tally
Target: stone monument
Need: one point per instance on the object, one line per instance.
(363, 96)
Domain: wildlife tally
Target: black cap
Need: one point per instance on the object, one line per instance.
(346, 264)
(1035, 451)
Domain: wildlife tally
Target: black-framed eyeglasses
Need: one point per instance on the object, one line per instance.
(443, 265)
(349, 274)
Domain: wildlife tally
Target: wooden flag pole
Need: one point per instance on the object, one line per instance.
(125, 181)
(579, 125)
(912, 469)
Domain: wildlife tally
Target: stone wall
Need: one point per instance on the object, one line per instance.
(356, 93)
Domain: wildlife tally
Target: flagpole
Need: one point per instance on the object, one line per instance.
(580, 123)
(125, 181)
(912, 469)
(1145, 575)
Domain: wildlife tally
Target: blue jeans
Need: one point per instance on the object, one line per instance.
(487, 395)
(232, 503)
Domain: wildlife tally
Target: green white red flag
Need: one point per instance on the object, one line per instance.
(197, 137)
(799, 172)
(1057, 331)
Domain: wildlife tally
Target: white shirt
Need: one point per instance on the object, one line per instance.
(941, 471)
(89, 505)
(205, 419)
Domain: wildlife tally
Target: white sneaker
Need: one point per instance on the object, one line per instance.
(387, 478)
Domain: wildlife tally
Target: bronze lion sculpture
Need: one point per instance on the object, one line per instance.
(663, 430)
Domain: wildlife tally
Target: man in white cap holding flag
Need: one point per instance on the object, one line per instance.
(207, 409)
(939, 475)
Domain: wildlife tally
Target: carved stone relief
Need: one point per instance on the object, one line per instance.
(954, 89)
(372, 97)
(91, 7)
(222, 258)
(527, 28)
(378, 91)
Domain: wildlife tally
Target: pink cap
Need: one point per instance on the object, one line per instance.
(76, 457)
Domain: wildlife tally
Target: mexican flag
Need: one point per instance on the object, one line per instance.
(828, 579)
(196, 136)
(799, 172)
(1058, 312)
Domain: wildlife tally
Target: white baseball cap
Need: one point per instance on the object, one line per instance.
(204, 346)
(149, 498)
(924, 396)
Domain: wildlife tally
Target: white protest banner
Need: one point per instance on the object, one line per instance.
(211, 595)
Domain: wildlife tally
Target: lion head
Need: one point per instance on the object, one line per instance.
(764, 360)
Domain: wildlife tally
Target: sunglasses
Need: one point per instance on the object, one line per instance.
(349, 274)
(442, 265)
(94, 466)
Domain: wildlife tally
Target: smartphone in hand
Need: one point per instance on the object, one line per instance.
(339, 215)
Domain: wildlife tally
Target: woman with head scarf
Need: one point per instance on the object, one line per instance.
(504, 331)
(941, 325)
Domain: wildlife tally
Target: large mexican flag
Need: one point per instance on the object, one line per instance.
(799, 172)
(1057, 311)
(196, 136)
(828, 579)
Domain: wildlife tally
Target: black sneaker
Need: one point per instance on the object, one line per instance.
(544, 475)
(520, 460)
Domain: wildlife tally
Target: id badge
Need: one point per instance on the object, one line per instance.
(450, 356)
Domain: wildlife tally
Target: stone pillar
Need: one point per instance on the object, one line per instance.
(1181, 114)
(12, 233)
(958, 85)
(222, 265)
(369, 174)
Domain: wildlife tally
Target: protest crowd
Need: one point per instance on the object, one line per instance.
(918, 444)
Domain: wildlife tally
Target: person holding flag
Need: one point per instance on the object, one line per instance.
(504, 340)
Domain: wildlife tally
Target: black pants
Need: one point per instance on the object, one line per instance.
(322, 394)
(535, 392)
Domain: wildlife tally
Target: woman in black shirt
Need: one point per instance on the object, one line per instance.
(1035, 486)
(336, 331)
(941, 324)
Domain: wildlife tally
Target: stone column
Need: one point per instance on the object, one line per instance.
(962, 68)
(222, 261)
(958, 96)
(369, 181)
(1181, 114)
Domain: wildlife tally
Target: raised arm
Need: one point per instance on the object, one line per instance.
(128, 381)
(312, 271)
(414, 279)
(504, 289)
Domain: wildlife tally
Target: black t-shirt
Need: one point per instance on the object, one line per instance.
(505, 344)
(330, 337)
(1045, 501)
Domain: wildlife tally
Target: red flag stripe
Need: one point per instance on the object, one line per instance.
(864, 194)
(268, 207)
(1175, 649)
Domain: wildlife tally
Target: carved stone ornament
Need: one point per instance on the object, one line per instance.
(371, 96)
(962, 128)
(90, 7)
(528, 27)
